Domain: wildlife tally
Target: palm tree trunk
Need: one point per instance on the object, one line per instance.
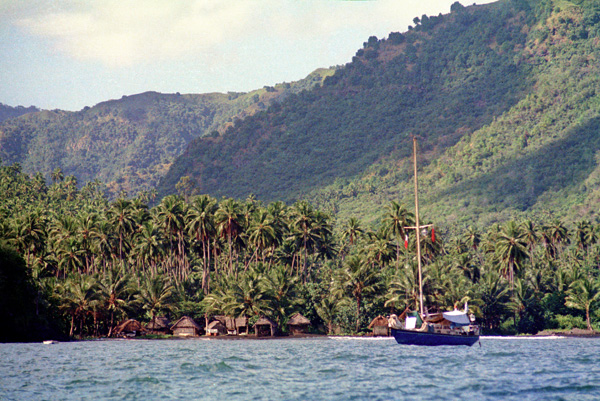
(358, 299)
(587, 317)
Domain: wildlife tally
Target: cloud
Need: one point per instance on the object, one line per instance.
(122, 33)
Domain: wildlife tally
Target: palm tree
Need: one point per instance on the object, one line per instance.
(493, 296)
(171, 217)
(472, 237)
(379, 251)
(328, 310)
(78, 296)
(261, 232)
(531, 236)
(121, 218)
(585, 235)
(57, 175)
(155, 295)
(352, 232)
(359, 280)
(115, 294)
(470, 270)
(511, 249)
(230, 222)
(201, 227)
(303, 229)
(280, 287)
(87, 229)
(583, 294)
(246, 295)
(396, 219)
(148, 247)
(555, 234)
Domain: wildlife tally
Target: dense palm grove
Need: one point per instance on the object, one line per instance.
(94, 263)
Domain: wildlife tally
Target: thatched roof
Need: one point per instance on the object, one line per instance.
(379, 321)
(159, 323)
(264, 321)
(241, 321)
(129, 326)
(216, 324)
(221, 318)
(298, 320)
(185, 322)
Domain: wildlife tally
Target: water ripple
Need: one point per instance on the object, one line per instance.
(298, 369)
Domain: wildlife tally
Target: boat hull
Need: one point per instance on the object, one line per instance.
(411, 337)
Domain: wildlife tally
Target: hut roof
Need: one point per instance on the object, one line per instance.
(265, 321)
(298, 320)
(221, 318)
(216, 324)
(185, 322)
(160, 322)
(241, 321)
(379, 321)
(129, 326)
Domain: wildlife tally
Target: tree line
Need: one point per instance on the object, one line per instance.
(93, 263)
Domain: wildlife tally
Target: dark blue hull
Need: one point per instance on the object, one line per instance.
(410, 337)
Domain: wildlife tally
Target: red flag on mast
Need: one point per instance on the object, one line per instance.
(432, 234)
(406, 241)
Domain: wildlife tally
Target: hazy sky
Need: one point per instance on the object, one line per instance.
(68, 54)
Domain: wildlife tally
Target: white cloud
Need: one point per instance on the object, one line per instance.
(121, 33)
(126, 32)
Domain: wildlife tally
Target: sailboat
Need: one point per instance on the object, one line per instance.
(417, 328)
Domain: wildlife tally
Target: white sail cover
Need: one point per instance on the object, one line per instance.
(457, 317)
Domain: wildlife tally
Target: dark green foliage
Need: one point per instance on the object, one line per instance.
(22, 320)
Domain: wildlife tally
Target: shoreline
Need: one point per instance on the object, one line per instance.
(575, 333)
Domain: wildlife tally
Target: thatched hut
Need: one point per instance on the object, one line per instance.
(265, 327)
(379, 325)
(216, 328)
(298, 324)
(186, 327)
(241, 325)
(160, 325)
(230, 325)
(129, 328)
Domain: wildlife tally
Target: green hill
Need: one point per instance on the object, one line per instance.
(130, 143)
(449, 76)
(504, 100)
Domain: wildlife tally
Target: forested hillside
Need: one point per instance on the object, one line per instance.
(503, 98)
(7, 112)
(449, 76)
(129, 143)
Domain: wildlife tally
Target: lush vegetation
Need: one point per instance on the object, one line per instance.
(129, 143)
(91, 263)
(7, 112)
(504, 99)
(447, 77)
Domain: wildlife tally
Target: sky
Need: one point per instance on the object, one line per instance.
(68, 54)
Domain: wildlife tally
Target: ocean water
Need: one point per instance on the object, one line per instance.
(301, 369)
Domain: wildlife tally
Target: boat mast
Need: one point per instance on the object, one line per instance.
(418, 226)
